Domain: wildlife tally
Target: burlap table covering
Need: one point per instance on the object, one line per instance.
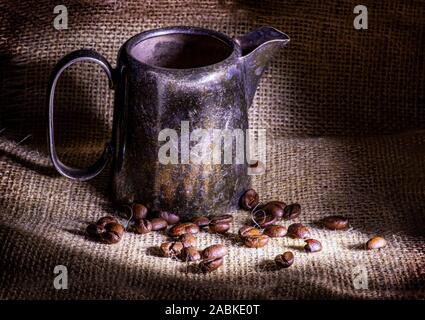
(345, 116)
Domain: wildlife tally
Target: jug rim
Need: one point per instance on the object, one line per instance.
(235, 50)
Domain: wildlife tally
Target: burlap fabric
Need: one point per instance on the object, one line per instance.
(345, 116)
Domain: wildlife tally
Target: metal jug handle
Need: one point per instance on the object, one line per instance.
(65, 62)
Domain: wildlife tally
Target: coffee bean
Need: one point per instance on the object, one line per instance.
(273, 208)
(94, 230)
(139, 211)
(214, 252)
(182, 228)
(248, 231)
(210, 265)
(190, 254)
(98, 230)
(263, 220)
(143, 226)
(249, 200)
(298, 230)
(219, 227)
(275, 231)
(105, 220)
(312, 245)
(376, 243)
(335, 223)
(170, 217)
(284, 260)
(201, 221)
(256, 241)
(225, 218)
(188, 240)
(158, 224)
(171, 249)
(291, 211)
(113, 233)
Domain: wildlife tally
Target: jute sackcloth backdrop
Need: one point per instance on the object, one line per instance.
(345, 118)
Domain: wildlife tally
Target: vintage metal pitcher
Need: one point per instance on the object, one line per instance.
(164, 78)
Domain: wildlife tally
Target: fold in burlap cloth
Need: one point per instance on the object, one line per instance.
(345, 116)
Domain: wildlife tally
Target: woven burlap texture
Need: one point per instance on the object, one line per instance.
(345, 119)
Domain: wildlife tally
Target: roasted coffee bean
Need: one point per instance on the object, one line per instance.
(158, 224)
(249, 200)
(105, 220)
(376, 243)
(291, 211)
(207, 266)
(336, 223)
(219, 227)
(94, 230)
(214, 252)
(298, 230)
(171, 249)
(263, 220)
(275, 231)
(183, 228)
(142, 226)
(190, 254)
(201, 221)
(248, 231)
(170, 217)
(97, 230)
(113, 233)
(284, 260)
(273, 208)
(256, 241)
(225, 218)
(188, 240)
(139, 211)
(312, 245)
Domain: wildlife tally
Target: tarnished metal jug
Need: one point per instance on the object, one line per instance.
(172, 78)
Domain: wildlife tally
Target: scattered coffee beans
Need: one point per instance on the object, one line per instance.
(113, 233)
(376, 243)
(256, 241)
(139, 211)
(312, 245)
(158, 224)
(190, 254)
(143, 226)
(249, 200)
(169, 217)
(248, 231)
(273, 208)
(275, 231)
(171, 249)
(201, 221)
(213, 252)
(106, 229)
(210, 265)
(336, 223)
(224, 218)
(263, 219)
(298, 230)
(183, 228)
(291, 211)
(188, 240)
(285, 260)
(219, 227)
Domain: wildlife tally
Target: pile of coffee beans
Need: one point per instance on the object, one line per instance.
(182, 244)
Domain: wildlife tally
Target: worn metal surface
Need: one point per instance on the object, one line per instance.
(170, 75)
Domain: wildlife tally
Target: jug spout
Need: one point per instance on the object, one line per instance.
(258, 47)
